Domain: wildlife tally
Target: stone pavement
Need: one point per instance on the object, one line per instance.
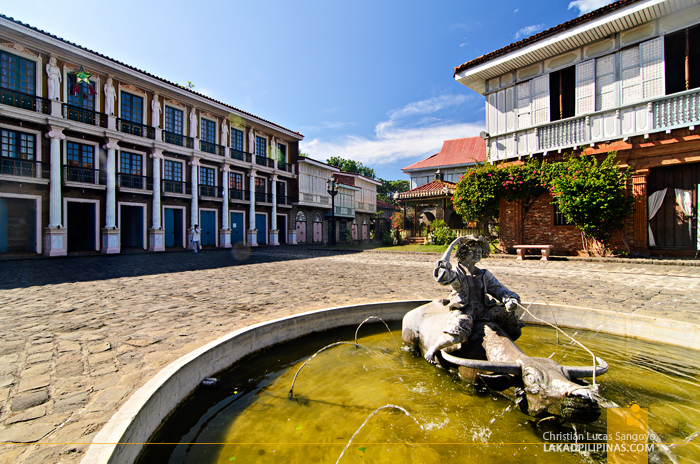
(78, 335)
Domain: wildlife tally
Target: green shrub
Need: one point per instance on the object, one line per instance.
(388, 238)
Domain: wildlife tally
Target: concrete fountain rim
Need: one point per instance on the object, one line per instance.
(124, 435)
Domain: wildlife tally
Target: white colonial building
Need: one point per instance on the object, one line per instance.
(624, 78)
(100, 156)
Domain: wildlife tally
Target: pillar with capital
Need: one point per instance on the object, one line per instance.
(194, 213)
(252, 231)
(55, 234)
(274, 233)
(156, 234)
(225, 231)
(110, 233)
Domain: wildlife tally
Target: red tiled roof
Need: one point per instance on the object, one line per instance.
(178, 86)
(455, 152)
(551, 31)
(382, 205)
(436, 188)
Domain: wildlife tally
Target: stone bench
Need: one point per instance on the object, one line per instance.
(545, 249)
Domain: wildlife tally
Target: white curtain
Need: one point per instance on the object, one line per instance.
(684, 198)
(654, 203)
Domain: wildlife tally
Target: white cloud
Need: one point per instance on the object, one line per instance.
(516, 10)
(397, 140)
(527, 31)
(586, 6)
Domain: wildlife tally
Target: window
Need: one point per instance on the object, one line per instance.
(301, 217)
(172, 170)
(261, 146)
(208, 131)
(80, 95)
(605, 83)
(132, 108)
(18, 145)
(130, 170)
(206, 176)
(81, 155)
(562, 94)
(281, 193)
(317, 217)
(418, 181)
(559, 218)
(17, 73)
(172, 176)
(642, 71)
(235, 181)
(682, 60)
(173, 120)
(281, 154)
(80, 163)
(260, 195)
(236, 139)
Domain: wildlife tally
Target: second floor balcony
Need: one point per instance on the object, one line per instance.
(23, 168)
(238, 195)
(263, 161)
(663, 114)
(135, 128)
(284, 166)
(134, 182)
(211, 191)
(239, 155)
(177, 139)
(84, 115)
(25, 101)
(212, 148)
(84, 176)
(262, 197)
(176, 188)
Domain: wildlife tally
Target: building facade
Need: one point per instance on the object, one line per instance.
(624, 78)
(100, 156)
(311, 225)
(433, 181)
(355, 205)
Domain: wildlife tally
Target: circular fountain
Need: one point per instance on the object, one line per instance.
(252, 412)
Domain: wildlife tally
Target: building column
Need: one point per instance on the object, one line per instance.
(274, 233)
(55, 234)
(110, 233)
(225, 232)
(194, 208)
(252, 231)
(156, 235)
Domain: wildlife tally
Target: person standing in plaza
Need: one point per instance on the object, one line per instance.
(196, 237)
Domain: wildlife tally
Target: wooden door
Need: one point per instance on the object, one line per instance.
(301, 231)
(672, 228)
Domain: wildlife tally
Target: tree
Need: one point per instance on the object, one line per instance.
(353, 166)
(386, 191)
(592, 196)
(478, 193)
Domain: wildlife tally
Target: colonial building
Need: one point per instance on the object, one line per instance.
(624, 78)
(100, 156)
(314, 201)
(433, 181)
(355, 205)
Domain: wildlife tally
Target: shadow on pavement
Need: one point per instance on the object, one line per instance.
(51, 271)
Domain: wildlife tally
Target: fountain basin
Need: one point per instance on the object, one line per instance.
(137, 420)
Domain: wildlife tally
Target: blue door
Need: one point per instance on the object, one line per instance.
(237, 228)
(173, 227)
(261, 225)
(208, 226)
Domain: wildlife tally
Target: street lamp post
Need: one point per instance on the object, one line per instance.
(332, 191)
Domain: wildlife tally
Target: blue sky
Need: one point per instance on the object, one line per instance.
(367, 80)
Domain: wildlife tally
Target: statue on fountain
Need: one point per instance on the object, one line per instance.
(475, 334)
(470, 300)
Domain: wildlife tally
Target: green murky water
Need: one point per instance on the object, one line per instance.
(250, 418)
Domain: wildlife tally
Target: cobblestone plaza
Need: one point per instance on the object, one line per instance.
(79, 335)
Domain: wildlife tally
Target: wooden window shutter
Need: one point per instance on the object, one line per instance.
(524, 104)
(585, 87)
(652, 66)
(540, 99)
(491, 114)
(605, 83)
(631, 81)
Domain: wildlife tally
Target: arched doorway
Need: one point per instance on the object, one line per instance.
(301, 227)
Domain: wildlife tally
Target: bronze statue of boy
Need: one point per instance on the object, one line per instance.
(470, 301)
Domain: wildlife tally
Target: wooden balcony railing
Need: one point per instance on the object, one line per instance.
(177, 139)
(84, 115)
(25, 101)
(239, 155)
(135, 128)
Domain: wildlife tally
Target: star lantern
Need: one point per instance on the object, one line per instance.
(82, 77)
